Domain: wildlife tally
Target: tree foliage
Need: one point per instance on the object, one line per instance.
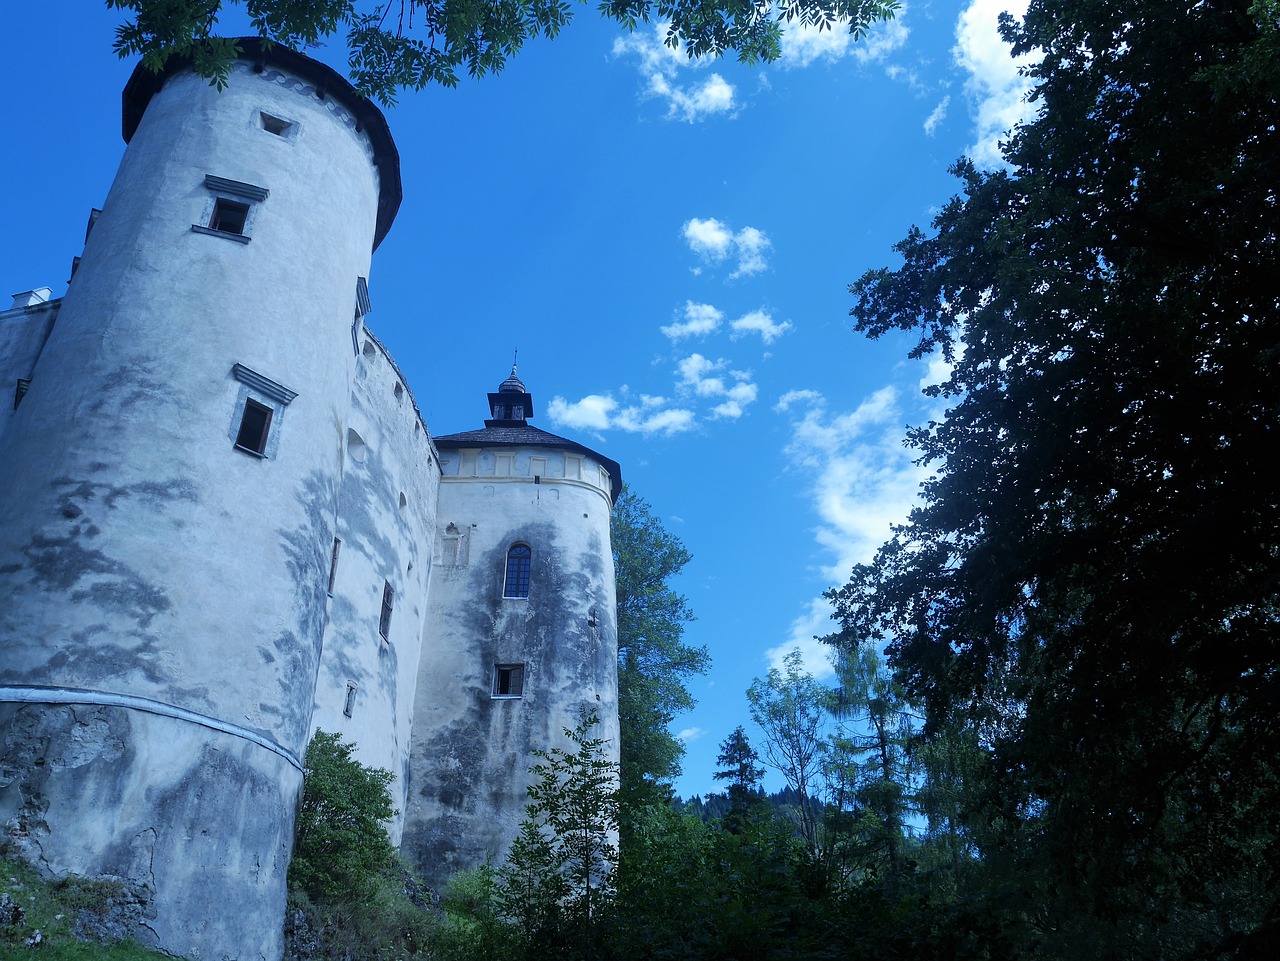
(340, 844)
(1089, 587)
(561, 871)
(653, 660)
(791, 709)
(740, 767)
(410, 44)
(869, 760)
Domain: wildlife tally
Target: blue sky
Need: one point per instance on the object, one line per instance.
(668, 244)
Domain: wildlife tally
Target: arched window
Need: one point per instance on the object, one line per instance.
(518, 561)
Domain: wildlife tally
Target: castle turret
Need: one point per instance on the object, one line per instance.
(170, 491)
(521, 629)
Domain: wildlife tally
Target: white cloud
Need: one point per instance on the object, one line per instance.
(791, 397)
(883, 39)
(600, 412)
(813, 623)
(696, 377)
(690, 734)
(996, 90)
(752, 245)
(699, 320)
(736, 400)
(939, 114)
(759, 322)
(802, 44)
(709, 239)
(862, 479)
(690, 104)
(661, 67)
(590, 413)
(694, 368)
(671, 421)
(715, 242)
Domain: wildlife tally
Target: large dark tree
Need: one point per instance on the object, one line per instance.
(653, 660)
(394, 44)
(1091, 582)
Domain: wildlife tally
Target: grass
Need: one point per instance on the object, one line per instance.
(51, 907)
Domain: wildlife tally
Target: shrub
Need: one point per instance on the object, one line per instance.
(340, 843)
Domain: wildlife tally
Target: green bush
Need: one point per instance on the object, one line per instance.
(340, 844)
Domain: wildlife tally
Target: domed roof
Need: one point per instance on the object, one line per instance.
(513, 384)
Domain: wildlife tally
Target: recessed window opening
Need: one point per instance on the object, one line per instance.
(508, 680)
(355, 446)
(399, 393)
(23, 386)
(333, 564)
(255, 424)
(229, 216)
(519, 561)
(349, 705)
(388, 599)
(274, 124)
(404, 504)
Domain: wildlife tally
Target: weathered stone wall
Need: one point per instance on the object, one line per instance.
(201, 822)
(386, 525)
(472, 750)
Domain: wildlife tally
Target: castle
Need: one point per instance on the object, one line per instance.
(224, 525)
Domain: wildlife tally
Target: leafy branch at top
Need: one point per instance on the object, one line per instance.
(411, 44)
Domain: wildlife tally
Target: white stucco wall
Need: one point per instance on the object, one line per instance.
(386, 524)
(472, 751)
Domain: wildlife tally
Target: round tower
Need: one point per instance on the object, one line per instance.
(168, 500)
(521, 629)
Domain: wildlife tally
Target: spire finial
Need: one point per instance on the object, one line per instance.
(514, 357)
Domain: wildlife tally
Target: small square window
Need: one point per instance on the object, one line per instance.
(508, 680)
(255, 424)
(274, 124)
(229, 216)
